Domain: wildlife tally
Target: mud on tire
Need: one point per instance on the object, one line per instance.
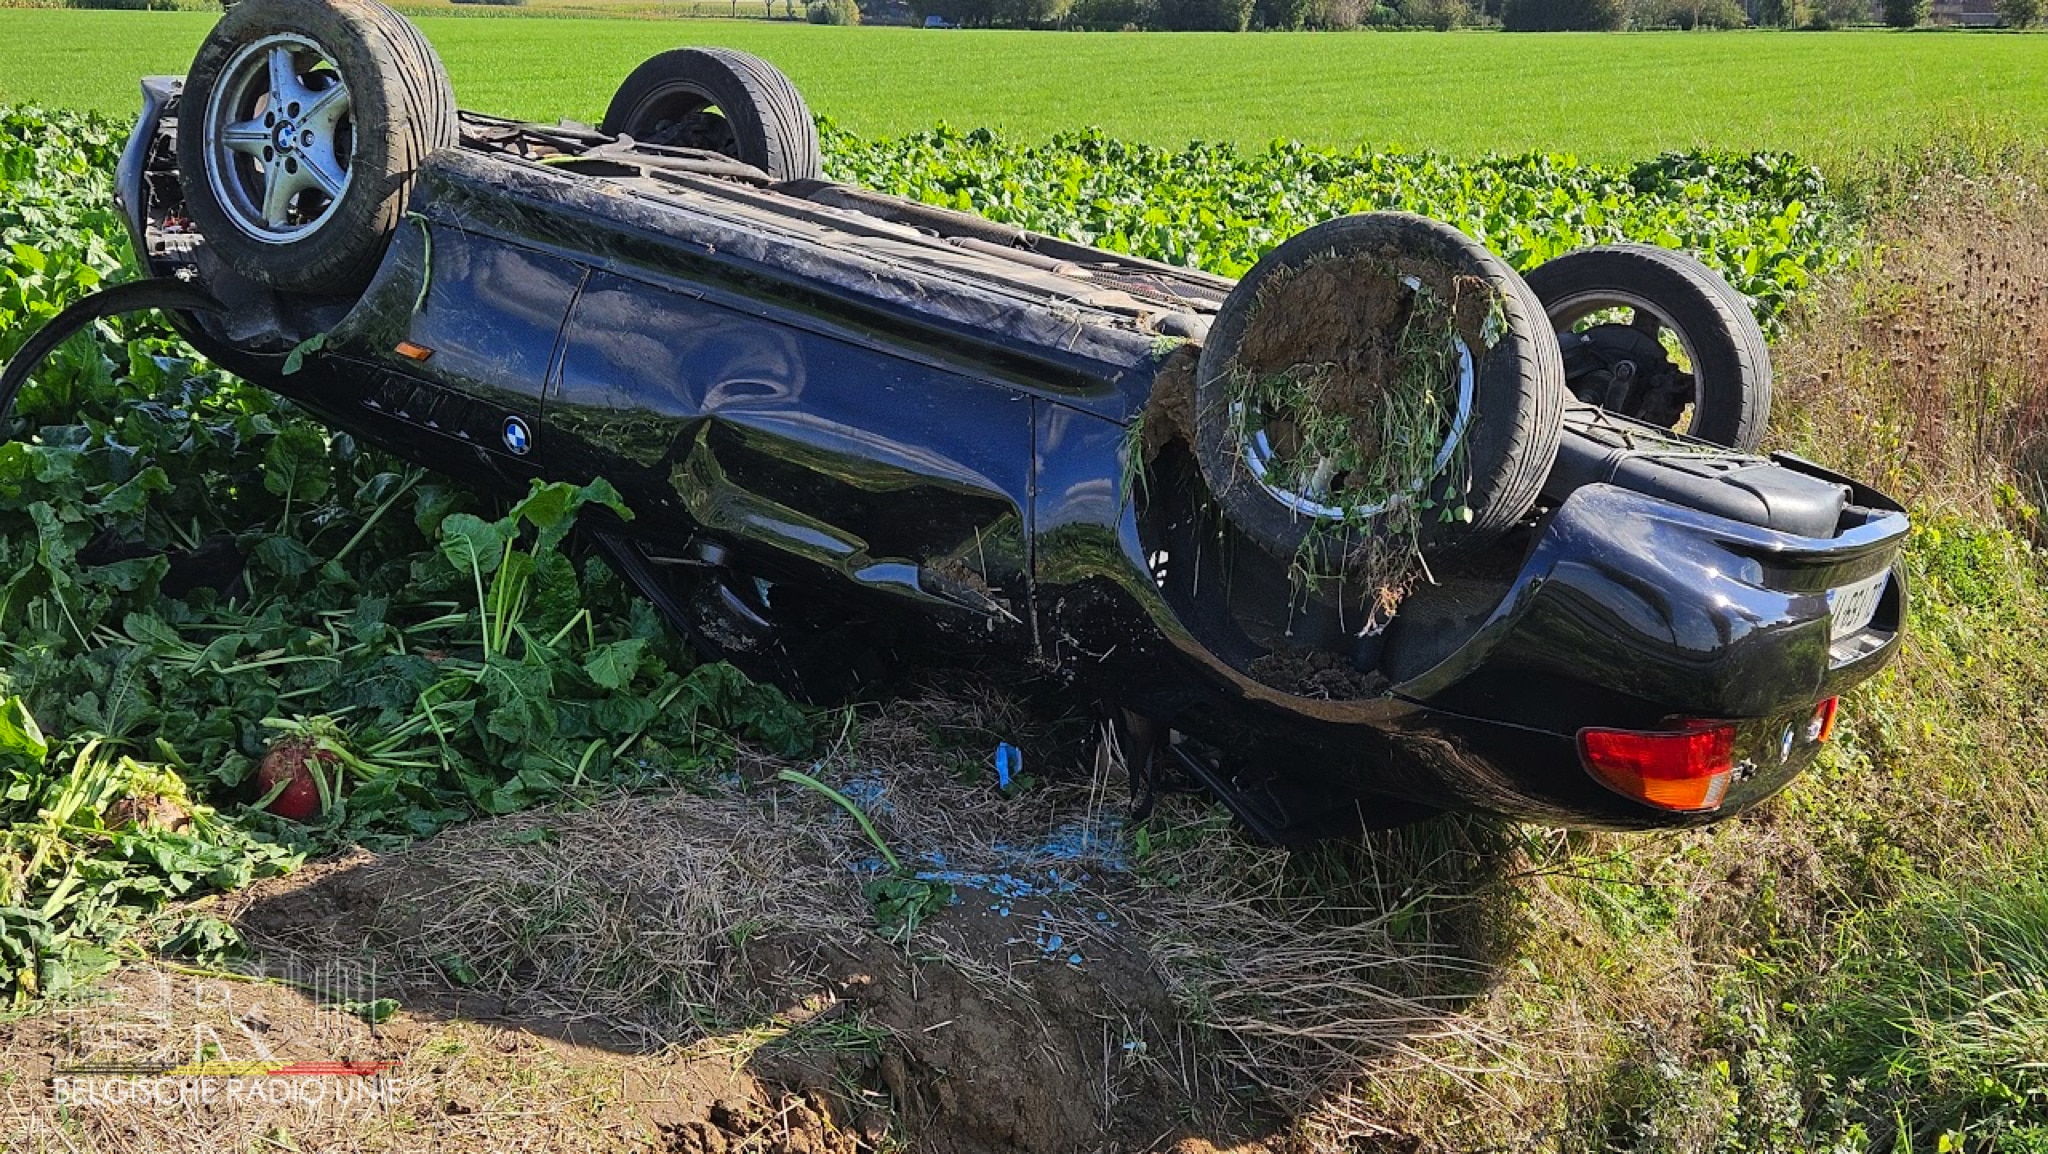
(342, 101)
(1502, 442)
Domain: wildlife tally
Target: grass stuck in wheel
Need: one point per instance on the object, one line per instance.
(1350, 398)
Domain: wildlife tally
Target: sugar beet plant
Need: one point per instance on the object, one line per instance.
(208, 604)
(1760, 219)
(229, 638)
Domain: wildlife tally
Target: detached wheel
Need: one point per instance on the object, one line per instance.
(1621, 311)
(304, 122)
(1377, 385)
(722, 101)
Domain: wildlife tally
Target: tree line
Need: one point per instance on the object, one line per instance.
(1512, 15)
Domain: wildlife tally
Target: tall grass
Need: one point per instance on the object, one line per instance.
(1928, 371)
(1940, 1009)
(1863, 963)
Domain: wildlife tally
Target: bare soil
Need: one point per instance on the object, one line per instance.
(1332, 329)
(1170, 409)
(1318, 673)
(698, 971)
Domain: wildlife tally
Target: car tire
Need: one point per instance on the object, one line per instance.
(1731, 365)
(297, 173)
(721, 101)
(1510, 432)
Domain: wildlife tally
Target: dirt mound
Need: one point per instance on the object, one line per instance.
(791, 1126)
(701, 972)
(1319, 674)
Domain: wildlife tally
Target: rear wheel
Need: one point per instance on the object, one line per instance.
(1654, 334)
(722, 101)
(1377, 379)
(304, 124)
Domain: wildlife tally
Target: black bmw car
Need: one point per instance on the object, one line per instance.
(861, 433)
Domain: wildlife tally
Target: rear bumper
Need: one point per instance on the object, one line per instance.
(1632, 611)
(1627, 612)
(1694, 613)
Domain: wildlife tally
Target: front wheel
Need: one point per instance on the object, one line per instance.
(1654, 334)
(722, 101)
(303, 123)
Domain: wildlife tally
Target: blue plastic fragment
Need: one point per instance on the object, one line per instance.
(1009, 761)
(1073, 959)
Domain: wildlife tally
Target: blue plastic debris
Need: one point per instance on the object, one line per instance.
(1073, 959)
(1051, 868)
(1009, 762)
(869, 792)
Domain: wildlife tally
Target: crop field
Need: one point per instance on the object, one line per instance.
(1830, 98)
(597, 895)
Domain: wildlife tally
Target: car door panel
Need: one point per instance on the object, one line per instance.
(903, 478)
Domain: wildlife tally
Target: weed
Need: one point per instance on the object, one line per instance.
(1358, 423)
(899, 898)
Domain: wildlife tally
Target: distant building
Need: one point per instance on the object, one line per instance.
(1966, 13)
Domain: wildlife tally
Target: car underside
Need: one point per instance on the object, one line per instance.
(860, 434)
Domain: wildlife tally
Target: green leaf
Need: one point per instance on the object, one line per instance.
(133, 495)
(21, 740)
(375, 1012)
(283, 557)
(458, 970)
(900, 904)
(207, 940)
(552, 509)
(296, 359)
(516, 701)
(473, 545)
(613, 666)
(295, 465)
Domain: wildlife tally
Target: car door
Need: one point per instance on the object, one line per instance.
(792, 437)
(456, 350)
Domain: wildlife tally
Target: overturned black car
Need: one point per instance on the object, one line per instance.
(1379, 529)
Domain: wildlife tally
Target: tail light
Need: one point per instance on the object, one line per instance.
(1679, 769)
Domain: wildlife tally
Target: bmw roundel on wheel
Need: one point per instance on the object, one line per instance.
(1380, 528)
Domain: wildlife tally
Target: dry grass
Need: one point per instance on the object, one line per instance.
(640, 933)
(1925, 371)
(709, 930)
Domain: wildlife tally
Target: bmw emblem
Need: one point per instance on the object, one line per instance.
(518, 438)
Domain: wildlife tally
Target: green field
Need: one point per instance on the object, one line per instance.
(1832, 97)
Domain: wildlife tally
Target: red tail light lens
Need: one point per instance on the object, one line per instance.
(1682, 769)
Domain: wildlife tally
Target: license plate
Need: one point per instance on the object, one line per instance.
(1852, 606)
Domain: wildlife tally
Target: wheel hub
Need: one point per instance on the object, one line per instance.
(278, 129)
(1625, 370)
